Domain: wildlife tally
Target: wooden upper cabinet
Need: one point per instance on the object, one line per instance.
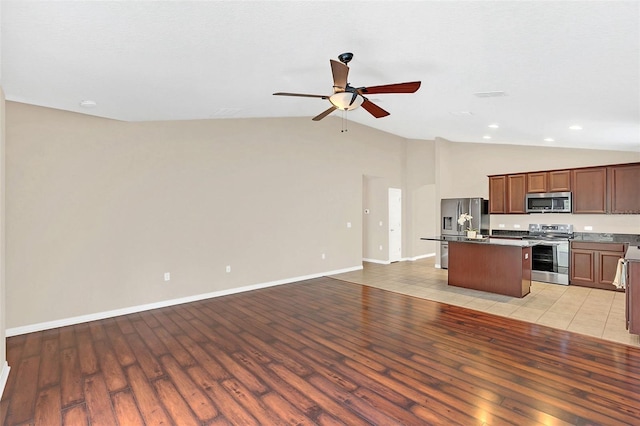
(559, 181)
(595, 190)
(554, 181)
(516, 193)
(589, 190)
(507, 194)
(624, 189)
(497, 194)
(537, 182)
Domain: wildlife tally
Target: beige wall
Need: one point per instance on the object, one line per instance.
(421, 200)
(3, 304)
(98, 210)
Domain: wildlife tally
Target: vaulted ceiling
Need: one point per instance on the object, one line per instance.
(554, 64)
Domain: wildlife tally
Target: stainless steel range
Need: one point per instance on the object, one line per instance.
(550, 257)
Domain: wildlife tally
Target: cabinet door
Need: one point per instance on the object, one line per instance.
(608, 262)
(559, 181)
(589, 190)
(624, 189)
(497, 194)
(583, 267)
(516, 193)
(537, 182)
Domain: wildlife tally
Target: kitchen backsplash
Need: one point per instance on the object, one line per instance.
(579, 236)
(587, 223)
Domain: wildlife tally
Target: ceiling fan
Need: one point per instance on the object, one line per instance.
(346, 97)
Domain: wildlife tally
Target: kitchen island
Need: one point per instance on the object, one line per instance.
(632, 258)
(494, 265)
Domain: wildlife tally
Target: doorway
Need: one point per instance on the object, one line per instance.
(395, 224)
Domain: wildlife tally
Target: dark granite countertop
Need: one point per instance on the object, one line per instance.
(633, 254)
(483, 240)
(606, 238)
(594, 237)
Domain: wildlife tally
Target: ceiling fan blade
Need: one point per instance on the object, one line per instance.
(301, 94)
(340, 72)
(374, 109)
(409, 87)
(324, 114)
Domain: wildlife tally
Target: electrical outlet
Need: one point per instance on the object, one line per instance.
(588, 228)
(348, 224)
(167, 276)
(228, 268)
(380, 248)
(323, 256)
(501, 225)
(516, 226)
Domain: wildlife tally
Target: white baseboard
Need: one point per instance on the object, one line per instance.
(15, 331)
(381, 262)
(422, 256)
(4, 375)
(404, 259)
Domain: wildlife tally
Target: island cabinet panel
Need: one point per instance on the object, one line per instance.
(497, 194)
(595, 264)
(516, 193)
(589, 190)
(633, 297)
(500, 269)
(538, 182)
(559, 181)
(624, 189)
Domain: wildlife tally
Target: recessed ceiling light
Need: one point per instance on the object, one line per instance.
(575, 127)
(494, 126)
(88, 104)
(461, 113)
(549, 140)
(486, 137)
(492, 94)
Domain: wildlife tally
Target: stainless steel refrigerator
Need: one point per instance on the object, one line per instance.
(450, 211)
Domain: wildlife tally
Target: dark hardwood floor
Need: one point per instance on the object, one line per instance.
(324, 352)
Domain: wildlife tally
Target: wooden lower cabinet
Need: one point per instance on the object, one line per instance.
(491, 267)
(595, 264)
(633, 297)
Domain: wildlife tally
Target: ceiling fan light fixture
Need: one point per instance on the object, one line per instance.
(342, 101)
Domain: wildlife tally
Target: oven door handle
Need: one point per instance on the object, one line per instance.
(550, 243)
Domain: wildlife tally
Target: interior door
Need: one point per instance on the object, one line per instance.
(395, 224)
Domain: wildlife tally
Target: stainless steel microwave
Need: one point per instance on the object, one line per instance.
(549, 202)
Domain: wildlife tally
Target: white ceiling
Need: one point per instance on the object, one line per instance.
(560, 63)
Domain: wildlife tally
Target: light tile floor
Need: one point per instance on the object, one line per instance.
(594, 312)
